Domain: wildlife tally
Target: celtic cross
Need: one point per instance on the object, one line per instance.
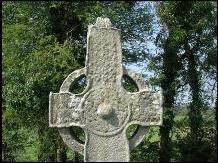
(104, 109)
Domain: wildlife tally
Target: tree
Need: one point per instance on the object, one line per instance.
(193, 23)
(167, 39)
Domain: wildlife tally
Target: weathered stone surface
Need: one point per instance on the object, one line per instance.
(104, 109)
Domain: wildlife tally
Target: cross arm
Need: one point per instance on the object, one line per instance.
(64, 110)
(146, 108)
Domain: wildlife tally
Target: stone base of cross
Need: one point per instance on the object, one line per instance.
(104, 109)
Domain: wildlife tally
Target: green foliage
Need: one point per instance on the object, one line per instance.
(148, 150)
(79, 85)
(13, 138)
(34, 64)
(30, 145)
(41, 45)
(184, 144)
(129, 84)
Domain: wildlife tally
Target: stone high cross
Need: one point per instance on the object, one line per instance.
(104, 109)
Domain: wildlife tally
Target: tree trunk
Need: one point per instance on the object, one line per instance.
(196, 104)
(170, 63)
(195, 117)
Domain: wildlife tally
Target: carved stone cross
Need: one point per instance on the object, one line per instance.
(104, 109)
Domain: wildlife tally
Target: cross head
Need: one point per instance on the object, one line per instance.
(104, 110)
